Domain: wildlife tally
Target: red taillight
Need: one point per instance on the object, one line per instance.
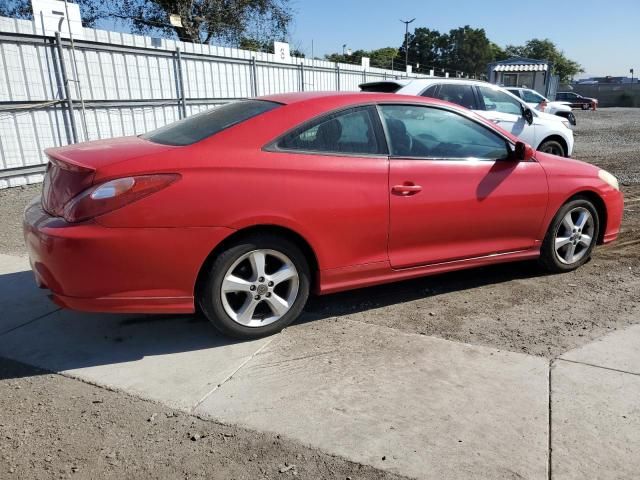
(114, 194)
(62, 182)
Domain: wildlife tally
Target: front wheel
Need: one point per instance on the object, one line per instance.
(256, 287)
(552, 147)
(571, 237)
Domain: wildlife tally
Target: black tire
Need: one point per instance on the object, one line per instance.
(552, 147)
(586, 106)
(210, 296)
(548, 257)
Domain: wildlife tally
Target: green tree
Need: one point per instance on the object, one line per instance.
(545, 49)
(498, 53)
(463, 49)
(467, 49)
(202, 20)
(380, 58)
(425, 47)
(206, 20)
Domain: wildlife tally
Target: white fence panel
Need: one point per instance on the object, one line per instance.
(122, 84)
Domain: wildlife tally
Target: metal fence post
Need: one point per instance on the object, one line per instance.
(182, 100)
(301, 77)
(337, 77)
(67, 90)
(254, 77)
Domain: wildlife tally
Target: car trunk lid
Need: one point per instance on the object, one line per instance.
(73, 168)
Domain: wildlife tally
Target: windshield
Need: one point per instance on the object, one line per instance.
(203, 125)
(532, 97)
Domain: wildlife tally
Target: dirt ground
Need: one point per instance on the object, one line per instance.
(513, 307)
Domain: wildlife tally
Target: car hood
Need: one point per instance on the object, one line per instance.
(547, 117)
(563, 166)
(560, 106)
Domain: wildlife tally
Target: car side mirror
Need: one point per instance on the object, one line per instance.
(521, 152)
(528, 115)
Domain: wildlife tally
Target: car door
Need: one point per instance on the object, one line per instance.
(573, 99)
(506, 111)
(453, 192)
(336, 166)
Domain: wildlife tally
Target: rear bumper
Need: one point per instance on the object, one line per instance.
(90, 267)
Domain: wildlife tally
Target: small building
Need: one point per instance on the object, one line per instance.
(524, 72)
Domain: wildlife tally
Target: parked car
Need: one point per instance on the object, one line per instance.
(546, 133)
(537, 101)
(577, 101)
(245, 209)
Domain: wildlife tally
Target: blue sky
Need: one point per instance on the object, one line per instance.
(604, 36)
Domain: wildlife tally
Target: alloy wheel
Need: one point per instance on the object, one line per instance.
(574, 236)
(259, 288)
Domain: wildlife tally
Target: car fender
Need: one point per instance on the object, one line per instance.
(287, 223)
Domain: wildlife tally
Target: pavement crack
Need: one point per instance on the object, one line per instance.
(230, 376)
(40, 317)
(600, 366)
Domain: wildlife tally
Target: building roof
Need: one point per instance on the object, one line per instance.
(522, 60)
(521, 67)
(521, 64)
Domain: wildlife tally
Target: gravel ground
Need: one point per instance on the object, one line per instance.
(610, 138)
(12, 204)
(51, 424)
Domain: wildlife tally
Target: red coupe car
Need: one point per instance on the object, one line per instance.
(245, 209)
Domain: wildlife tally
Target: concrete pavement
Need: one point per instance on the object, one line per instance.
(419, 406)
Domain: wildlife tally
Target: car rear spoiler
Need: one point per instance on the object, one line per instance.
(387, 86)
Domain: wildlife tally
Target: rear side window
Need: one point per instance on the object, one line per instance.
(350, 131)
(459, 94)
(430, 92)
(205, 124)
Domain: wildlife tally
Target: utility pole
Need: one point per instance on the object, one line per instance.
(406, 40)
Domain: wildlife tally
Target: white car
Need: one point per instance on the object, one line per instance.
(544, 132)
(537, 101)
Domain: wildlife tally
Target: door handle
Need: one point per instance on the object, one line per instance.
(406, 189)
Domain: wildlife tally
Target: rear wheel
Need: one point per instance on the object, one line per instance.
(256, 287)
(552, 147)
(571, 237)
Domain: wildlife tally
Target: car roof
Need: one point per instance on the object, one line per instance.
(347, 98)
(321, 102)
(414, 86)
